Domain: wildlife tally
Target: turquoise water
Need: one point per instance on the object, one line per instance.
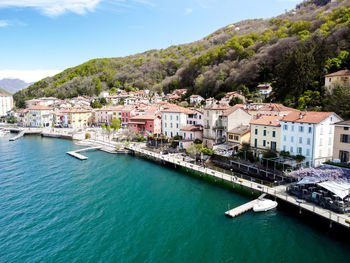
(55, 208)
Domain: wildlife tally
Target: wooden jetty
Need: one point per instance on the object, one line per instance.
(279, 192)
(79, 156)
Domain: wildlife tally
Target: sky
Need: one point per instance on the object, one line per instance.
(40, 38)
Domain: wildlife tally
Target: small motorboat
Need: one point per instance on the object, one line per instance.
(264, 205)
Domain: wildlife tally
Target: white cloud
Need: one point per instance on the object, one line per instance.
(188, 11)
(27, 75)
(4, 23)
(54, 7)
(58, 7)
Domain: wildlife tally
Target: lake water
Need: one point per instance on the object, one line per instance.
(117, 208)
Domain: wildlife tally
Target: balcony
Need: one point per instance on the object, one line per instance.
(218, 125)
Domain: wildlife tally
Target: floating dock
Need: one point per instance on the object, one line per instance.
(243, 208)
(21, 134)
(79, 156)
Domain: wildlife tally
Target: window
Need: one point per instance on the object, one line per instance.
(346, 128)
(308, 141)
(273, 146)
(177, 125)
(190, 136)
(291, 149)
(200, 116)
(264, 143)
(292, 127)
(344, 138)
(344, 156)
(256, 143)
(166, 134)
(300, 150)
(300, 139)
(292, 139)
(301, 129)
(310, 129)
(284, 138)
(171, 125)
(177, 117)
(284, 148)
(264, 132)
(171, 118)
(236, 138)
(184, 135)
(274, 134)
(285, 127)
(307, 152)
(166, 125)
(150, 126)
(164, 116)
(256, 131)
(230, 137)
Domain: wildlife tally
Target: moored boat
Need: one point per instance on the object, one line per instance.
(264, 205)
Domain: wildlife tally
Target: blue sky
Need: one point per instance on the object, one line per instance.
(41, 37)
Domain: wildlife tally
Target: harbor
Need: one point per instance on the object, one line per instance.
(278, 193)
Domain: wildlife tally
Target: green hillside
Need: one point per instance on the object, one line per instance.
(2, 91)
(292, 51)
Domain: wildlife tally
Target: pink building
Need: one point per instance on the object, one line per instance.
(190, 134)
(106, 114)
(127, 112)
(145, 124)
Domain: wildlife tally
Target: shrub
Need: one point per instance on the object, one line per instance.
(87, 135)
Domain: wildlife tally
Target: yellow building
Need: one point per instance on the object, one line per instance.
(239, 136)
(76, 118)
(265, 133)
(341, 145)
(339, 78)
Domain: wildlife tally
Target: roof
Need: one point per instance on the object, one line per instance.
(175, 108)
(340, 189)
(339, 73)
(39, 107)
(192, 128)
(75, 110)
(195, 96)
(144, 117)
(215, 106)
(307, 116)
(232, 109)
(4, 95)
(264, 86)
(242, 129)
(343, 123)
(268, 121)
(274, 107)
(108, 108)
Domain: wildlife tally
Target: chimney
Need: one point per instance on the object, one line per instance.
(300, 115)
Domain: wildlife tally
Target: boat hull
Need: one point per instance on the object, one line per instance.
(264, 205)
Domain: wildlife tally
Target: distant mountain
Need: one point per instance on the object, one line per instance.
(13, 85)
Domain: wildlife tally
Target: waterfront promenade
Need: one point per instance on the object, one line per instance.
(278, 192)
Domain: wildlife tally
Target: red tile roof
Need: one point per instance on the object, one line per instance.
(193, 128)
(307, 116)
(39, 107)
(268, 121)
(175, 108)
(339, 73)
(144, 117)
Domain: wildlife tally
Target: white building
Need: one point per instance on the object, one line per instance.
(40, 116)
(196, 99)
(45, 101)
(174, 118)
(309, 134)
(6, 104)
(265, 89)
(196, 118)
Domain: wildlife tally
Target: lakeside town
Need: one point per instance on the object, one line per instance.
(308, 149)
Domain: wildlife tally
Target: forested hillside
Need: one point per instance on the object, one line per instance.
(292, 51)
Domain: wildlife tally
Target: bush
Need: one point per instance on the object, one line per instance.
(207, 151)
(197, 141)
(87, 135)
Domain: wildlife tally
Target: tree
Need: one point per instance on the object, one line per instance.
(115, 124)
(235, 100)
(338, 102)
(194, 150)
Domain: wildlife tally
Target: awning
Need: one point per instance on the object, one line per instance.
(225, 146)
(340, 189)
(137, 122)
(309, 180)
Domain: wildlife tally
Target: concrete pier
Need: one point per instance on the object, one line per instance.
(79, 156)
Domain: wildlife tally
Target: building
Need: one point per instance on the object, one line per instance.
(145, 124)
(196, 118)
(106, 114)
(265, 133)
(238, 136)
(127, 112)
(40, 116)
(76, 118)
(309, 134)
(45, 101)
(341, 143)
(6, 104)
(196, 100)
(22, 117)
(267, 109)
(265, 89)
(230, 95)
(231, 118)
(174, 118)
(189, 134)
(211, 134)
(339, 78)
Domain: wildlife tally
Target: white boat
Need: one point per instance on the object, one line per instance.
(264, 205)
